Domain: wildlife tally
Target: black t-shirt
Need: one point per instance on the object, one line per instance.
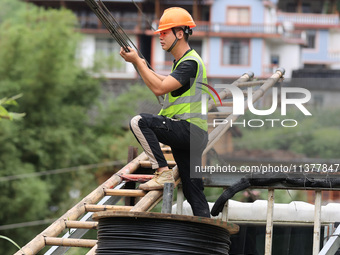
(183, 73)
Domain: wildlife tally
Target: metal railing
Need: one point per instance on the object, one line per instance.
(203, 26)
(334, 55)
(333, 244)
(127, 23)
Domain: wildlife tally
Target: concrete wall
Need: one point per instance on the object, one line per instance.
(289, 54)
(327, 49)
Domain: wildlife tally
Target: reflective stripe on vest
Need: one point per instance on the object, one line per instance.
(188, 106)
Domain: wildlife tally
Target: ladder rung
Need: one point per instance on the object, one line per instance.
(250, 83)
(147, 164)
(81, 224)
(229, 95)
(137, 177)
(98, 208)
(125, 192)
(230, 104)
(88, 243)
(219, 114)
(166, 149)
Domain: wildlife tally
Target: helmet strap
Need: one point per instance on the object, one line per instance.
(174, 43)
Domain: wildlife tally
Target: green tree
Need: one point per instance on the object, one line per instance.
(37, 59)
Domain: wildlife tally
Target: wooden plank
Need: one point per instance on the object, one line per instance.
(97, 208)
(125, 192)
(87, 243)
(232, 228)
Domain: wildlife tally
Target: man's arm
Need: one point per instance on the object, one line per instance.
(158, 84)
(161, 77)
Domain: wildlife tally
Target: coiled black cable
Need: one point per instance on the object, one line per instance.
(139, 236)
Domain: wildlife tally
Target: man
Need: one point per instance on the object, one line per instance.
(179, 124)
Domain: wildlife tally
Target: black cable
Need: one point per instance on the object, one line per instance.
(123, 35)
(113, 27)
(98, 10)
(119, 30)
(116, 31)
(139, 236)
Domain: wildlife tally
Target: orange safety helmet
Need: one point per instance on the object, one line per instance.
(175, 17)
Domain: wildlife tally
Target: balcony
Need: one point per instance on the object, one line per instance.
(309, 19)
(203, 26)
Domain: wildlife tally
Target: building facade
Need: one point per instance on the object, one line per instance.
(233, 37)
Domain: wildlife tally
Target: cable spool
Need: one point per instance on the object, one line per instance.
(142, 233)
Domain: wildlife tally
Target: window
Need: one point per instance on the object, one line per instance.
(311, 35)
(235, 52)
(238, 15)
(107, 56)
(275, 60)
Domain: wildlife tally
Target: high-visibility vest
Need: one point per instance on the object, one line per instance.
(188, 106)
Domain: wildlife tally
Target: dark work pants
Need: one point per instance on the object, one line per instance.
(150, 130)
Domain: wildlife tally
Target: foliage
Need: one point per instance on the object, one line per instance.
(37, 59)
(9, 9)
